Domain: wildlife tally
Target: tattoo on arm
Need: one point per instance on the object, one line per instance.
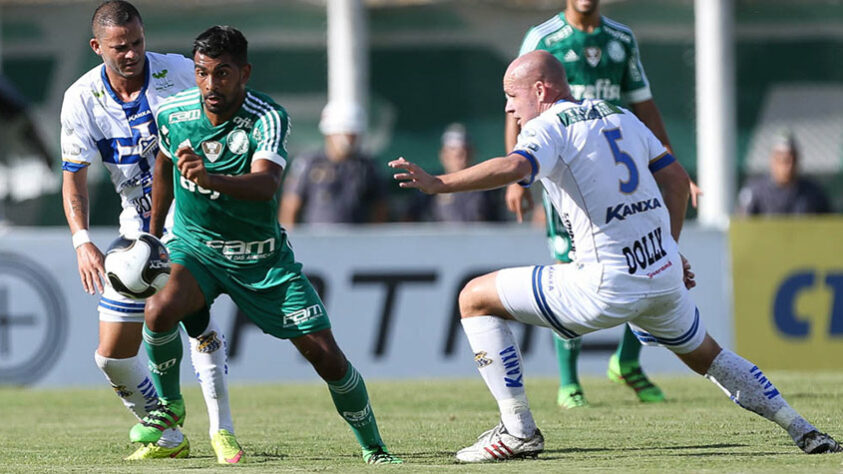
(79, 207)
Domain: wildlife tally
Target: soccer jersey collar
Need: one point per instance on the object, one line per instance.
(134, 103)
(597, 29)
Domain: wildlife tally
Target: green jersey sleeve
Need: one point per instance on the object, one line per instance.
(164, 135)
(635, 87)
(271, 130)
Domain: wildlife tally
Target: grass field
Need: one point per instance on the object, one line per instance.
(295, 428)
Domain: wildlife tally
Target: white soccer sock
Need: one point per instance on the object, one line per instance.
(210, 363)
(499, 361)
(747, 386)
(130, 380)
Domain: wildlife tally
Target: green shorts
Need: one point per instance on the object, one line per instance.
(278, 298)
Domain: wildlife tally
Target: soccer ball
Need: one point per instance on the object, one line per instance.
(137, 268)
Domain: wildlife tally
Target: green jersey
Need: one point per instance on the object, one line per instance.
(603, 64)
(230, 232)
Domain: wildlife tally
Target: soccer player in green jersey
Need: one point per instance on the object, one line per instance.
(223, 151)
(602, 62)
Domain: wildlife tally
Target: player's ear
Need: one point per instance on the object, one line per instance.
(245, 73)
(95, 45)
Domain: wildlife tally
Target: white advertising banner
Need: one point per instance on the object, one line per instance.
(390, 291)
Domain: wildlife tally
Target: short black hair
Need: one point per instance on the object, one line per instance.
(219, 40)
(114, 13)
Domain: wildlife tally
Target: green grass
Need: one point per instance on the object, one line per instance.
(295, 428)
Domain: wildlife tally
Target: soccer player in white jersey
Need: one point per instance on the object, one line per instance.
(602, 168)
(109, 115)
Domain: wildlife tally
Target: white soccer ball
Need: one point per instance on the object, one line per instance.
(137, 268)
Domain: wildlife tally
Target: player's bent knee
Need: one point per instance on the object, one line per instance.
(476, 297)
(162, 312)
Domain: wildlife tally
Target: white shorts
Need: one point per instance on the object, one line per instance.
(116, 308)
(566, 299)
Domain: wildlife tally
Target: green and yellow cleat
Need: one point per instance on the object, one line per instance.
(153, 451)
(633, 377)
(380, 455)
(571, 396)
(167, 414)
(227, 448)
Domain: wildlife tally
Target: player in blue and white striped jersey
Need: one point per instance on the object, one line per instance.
(108, 115)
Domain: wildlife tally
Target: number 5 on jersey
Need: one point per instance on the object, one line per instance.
(621, 157)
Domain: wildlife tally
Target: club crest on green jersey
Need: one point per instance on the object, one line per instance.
(238, 142)
(593, 55)
(212, 149)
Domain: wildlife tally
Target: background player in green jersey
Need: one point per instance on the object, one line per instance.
(602, 62)
(223, 153)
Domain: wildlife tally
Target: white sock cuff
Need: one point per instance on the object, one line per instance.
(477, 324)
(103, 361)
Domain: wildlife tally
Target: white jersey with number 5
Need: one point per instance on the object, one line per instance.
(97, 124)
(596, 162)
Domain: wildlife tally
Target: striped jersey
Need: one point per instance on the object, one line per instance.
(603, 64)
(231, 232)
(596, 162)
(96, 124)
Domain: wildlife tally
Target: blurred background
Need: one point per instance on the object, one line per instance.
(433, 63)
(771, 288)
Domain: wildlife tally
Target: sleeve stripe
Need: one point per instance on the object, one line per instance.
(535, 35)
(661, 161)
(638, 95)
(533, 164)
(73, 166)
(270, 141)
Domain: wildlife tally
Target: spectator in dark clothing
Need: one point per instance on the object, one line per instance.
(783, 191)
(338, 184)
(474, 206)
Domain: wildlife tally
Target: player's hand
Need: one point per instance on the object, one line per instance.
(91, 269)
(687, 274)
(695, 191)
(192, 167)
(518, 200)
(415, 177)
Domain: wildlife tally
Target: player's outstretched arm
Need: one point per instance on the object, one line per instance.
(675, 184)
(489, 174)
(260, 184)
(162, 193)
(518, 198)
(89, 258)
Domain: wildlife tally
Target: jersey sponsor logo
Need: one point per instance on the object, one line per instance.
(615, 51)
(243, 122)
(138, 115)
(194, 188)
(593, 55)
(160, 75)
(560, 35)
(184, 116)
(644, 252)
(571, 56)
(241, 250)
(481, 360)
(623, 210)
(238, 142)
(212, 149)
(601, 89)
(162, 82)
(302, 316)
(596, 111)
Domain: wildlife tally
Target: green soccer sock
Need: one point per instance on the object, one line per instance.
(567, 353)
(352, 402)
(629, 348)
(164, 351)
